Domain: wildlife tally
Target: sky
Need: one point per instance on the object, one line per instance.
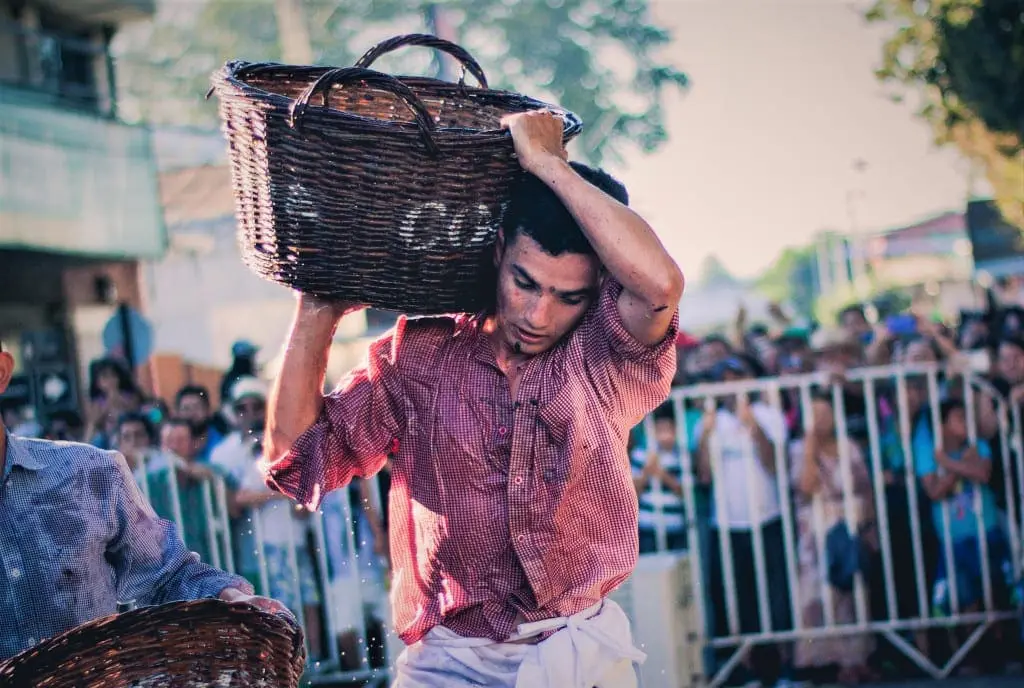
(783, 101)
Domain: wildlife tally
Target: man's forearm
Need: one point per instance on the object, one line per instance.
(764, 448)
(296, 397)
(974, 469)
(624, 242)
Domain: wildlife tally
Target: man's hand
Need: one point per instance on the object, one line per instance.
(536, 135)
(745, 413)
(708, 420)
(271, 606)
(652, 468)
(313, 305)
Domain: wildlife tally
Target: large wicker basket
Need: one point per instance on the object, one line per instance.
(177, 645)
(355, 185)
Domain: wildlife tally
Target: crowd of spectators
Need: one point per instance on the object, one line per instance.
(812, 452)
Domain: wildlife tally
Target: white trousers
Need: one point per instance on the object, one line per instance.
(592, 649)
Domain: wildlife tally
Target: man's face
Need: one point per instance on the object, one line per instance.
(665, 433)
(920, 351)
(132, 437)
(177, 438)
(541, 297)
(193, 407)
(917, 394)
(956, 426)
(855, 323)
(250, 412)
(837, 359)
(1011, 363)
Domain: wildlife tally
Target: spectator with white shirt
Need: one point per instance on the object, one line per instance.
(281, 528)
(232, 459)
(736, 454)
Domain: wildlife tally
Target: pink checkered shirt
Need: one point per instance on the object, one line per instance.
(501, 508)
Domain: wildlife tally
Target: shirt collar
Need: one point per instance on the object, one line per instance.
(18, 454)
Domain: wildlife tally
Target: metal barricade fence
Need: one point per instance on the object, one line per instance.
(900, 416)
(321, 549)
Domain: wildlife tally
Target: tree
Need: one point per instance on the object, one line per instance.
(791, 279)
(966, 59)
(597, 58)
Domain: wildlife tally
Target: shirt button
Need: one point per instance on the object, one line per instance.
(521, 538)
(31, 641)
(502, 430)
(518, 480)
(15, 574)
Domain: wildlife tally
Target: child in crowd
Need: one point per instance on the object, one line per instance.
(658, 478)
(956, 477)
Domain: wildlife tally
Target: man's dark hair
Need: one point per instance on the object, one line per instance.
(125, 383)
(193, 391)
(667, 411)
(1012, 341)
(855, 308)
(947, 408)
(133, 417)
(182, 422)
(535, 210)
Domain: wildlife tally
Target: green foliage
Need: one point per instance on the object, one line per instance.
(791, 279)
(599, 58)
(966, 59)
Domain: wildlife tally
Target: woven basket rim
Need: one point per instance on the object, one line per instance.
(227, 78)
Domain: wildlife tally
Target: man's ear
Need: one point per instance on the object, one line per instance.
(6, 370)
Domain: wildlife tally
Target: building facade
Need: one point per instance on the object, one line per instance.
(79, 205)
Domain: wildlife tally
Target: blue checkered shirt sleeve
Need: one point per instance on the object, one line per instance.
(77, 537)
(151, 563)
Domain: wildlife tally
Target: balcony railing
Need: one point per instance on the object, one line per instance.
(69, 71)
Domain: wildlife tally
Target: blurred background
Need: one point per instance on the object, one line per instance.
(813, 165)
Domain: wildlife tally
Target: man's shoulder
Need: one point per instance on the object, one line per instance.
(427, 326)
(67, 457)
(420, 340)
(64, 452)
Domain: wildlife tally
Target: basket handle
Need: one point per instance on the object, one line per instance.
(385, 82)
(458, 52)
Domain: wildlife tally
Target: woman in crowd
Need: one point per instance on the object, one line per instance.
(821, 479)
(112, 393)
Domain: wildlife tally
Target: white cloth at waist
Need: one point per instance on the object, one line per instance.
(592, 649)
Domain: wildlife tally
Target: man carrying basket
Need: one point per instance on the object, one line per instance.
(513, 513)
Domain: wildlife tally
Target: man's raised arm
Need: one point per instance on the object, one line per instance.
(296, 397)
(626, 245)
(315, 443)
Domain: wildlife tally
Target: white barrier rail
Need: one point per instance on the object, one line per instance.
(884, 434)
(350, 601)
(337, 553)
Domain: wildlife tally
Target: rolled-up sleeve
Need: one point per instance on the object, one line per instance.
(150, 561)
(626, 370)
(360, 422)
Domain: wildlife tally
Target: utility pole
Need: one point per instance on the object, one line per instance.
(293, 33)
(859, 244)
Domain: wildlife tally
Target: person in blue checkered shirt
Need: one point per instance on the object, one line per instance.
(77, 538)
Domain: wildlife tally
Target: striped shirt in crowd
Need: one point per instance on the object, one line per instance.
(672, 514)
